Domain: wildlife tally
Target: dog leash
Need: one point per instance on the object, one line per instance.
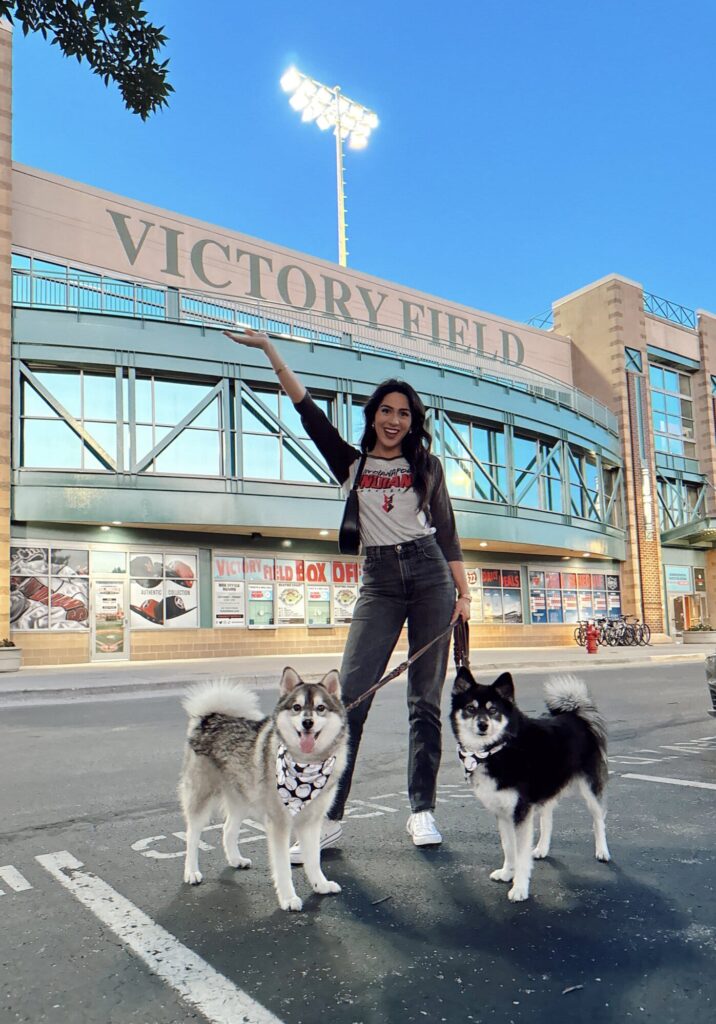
(461, 638)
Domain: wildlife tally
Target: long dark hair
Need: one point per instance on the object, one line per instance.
(416, 443)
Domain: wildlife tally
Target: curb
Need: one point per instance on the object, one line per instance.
(265, 682)
(168, 685)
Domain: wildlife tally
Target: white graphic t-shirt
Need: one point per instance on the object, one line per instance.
(388, 504)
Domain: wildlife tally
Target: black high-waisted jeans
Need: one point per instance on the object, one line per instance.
(403, 581)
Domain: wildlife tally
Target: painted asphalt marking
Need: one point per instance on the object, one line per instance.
(670, 782)
(12, 877)
(217, 998)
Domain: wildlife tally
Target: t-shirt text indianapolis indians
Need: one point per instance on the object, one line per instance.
(388, 504)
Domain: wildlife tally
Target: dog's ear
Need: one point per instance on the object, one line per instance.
(332, 683)
(289, 680)
(505, 687)
(463, 681)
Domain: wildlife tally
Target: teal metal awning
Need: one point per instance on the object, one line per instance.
(698, 534)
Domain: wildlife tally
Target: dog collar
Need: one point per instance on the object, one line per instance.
(297, 783)
(470, 758)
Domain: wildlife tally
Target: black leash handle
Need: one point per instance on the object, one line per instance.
(461, 636)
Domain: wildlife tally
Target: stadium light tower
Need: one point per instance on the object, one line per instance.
(329, 108)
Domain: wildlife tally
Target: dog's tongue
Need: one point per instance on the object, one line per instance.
(307, 742)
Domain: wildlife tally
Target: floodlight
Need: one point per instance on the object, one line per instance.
(329, 108)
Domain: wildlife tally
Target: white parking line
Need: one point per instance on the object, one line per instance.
(670, 782)
(197, 983)
(12, 877)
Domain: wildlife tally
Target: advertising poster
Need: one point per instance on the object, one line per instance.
(586, 608)
(146, 604)
(552, 580)
(491, 578)
(511, 578)
(569, 605)
(598, 581)
(344, 601)
(109, 617)
(492, 603)
(290, 604)
(584, 581)
(260, 605)
(678, 578)
(319, 605)
(538, 605)
(569, 581)
(258, 569)
(554, 605)
(612, 583)
(600, 603)
(512, 605)
(699, 579)
(614, 604)
(537, 580)
(181, 600)
(229, 597)
(42, 601)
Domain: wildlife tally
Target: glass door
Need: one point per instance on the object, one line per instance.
(109, 621)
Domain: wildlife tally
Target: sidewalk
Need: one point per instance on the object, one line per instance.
(265, 671)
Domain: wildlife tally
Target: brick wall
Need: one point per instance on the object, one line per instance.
(69, 648)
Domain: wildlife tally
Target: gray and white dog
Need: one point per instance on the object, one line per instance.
(281, 769)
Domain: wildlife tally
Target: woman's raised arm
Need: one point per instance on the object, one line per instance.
(288, 380)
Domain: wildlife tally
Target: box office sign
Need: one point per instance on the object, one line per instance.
(258, 592)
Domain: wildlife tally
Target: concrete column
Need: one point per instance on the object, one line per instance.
(5, 318)
(601, 321)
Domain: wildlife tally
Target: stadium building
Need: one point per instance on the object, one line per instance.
(160, 500)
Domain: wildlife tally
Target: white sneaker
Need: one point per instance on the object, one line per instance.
(331, 832)
(422, 828)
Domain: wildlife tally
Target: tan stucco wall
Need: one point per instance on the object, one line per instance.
(69, 221)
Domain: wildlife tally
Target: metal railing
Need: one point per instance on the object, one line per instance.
(669, 310)
(80, 291)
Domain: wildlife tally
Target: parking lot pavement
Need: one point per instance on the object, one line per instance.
(100, 929)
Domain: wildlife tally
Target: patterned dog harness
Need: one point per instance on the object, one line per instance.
(298, 784)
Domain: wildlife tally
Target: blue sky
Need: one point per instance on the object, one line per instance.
(525, 148)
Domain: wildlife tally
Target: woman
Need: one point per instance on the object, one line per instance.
(413, 564)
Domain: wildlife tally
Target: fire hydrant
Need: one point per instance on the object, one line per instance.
(592, 638)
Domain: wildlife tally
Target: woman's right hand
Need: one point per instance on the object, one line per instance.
(254, 339)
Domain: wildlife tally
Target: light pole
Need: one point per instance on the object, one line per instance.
(329, 108)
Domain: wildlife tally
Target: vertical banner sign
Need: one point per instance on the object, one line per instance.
(290, 592)
(473, 582)
(346, 579)
(538, 606)
(109, 617)
(229, 591)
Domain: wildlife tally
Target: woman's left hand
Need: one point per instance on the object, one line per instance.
(461, 610)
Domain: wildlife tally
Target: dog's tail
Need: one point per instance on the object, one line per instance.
(224, 697)
(567, 693)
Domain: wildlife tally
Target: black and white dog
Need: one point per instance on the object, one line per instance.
(516, 764)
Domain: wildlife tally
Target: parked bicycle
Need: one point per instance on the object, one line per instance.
(623, 631)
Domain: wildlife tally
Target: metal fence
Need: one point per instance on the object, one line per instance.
(80, 291)
(669, 310)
